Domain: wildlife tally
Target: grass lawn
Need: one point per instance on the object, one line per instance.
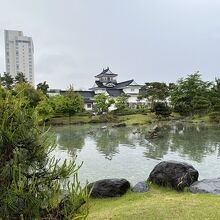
(64, 120)
(158, 203)
(128, 119)
(138, 119)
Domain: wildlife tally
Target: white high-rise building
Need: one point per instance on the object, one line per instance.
(19, 54)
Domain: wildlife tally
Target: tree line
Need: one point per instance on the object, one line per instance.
(188, 96)
(46, 107)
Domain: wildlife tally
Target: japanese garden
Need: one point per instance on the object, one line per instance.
(97, 154)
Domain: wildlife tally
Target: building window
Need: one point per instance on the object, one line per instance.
(132, 90)
(89, 105)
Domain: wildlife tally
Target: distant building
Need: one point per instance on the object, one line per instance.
(19, 51)
(106, 83)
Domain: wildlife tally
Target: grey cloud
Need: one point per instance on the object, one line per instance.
(145, 40)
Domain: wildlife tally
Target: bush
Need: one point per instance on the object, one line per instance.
(44, 110)
(161, 109)
(214, 116)
(30, 182)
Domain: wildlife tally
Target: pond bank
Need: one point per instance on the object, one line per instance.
(159, 203)
(135, 119)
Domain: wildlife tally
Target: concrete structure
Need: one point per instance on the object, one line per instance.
(19, 52)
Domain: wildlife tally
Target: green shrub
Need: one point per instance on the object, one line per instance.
(161, 109)
(214, 116)
(31, 184)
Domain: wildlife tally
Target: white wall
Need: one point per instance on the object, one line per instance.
(101, 91)
(88, 107)
(131, 90)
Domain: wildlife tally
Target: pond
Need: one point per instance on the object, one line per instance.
(126, 152)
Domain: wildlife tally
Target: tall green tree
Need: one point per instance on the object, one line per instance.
(103, 102)
(43, 87)
(27, 91)
(74, 102)
(154, 92)
(20, 78)
(215, 95)
(187, 91)
(121, 103)
(30, 181)
(7, 81)
(69, 103)
(44, 110)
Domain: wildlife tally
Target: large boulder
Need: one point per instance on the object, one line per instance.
(177, 175)
(109, 188)
(140, 187)
(211, 186)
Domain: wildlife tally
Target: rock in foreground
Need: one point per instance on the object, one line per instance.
(211, 186)
(109, 188)
(140, 187)
(177, 175)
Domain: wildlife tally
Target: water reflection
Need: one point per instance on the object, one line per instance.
(108, 140)
(71, 139)
(192, 141)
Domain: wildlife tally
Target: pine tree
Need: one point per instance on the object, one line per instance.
(32, 183)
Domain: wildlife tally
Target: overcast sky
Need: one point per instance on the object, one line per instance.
(145, 40)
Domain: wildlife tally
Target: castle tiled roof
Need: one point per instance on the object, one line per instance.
(88, 96)
(106, 72)
(115, 92)
(120, 85)
(123, 84)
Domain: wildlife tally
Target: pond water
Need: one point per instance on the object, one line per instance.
(126, 153)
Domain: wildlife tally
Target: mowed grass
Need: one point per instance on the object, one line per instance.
(72, 120)
(158, 203)
(140, 119)
(135, 119)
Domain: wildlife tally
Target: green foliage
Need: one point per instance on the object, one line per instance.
(74, 103)
(161, 109)
(44, 110)
(103, 103)
(214, 116)
(7, 81)
(200, 104)
(27, 91)
(43, 87)
(70, 103)
(216, 106)
(142, 109)
(155, 91)
(57, 103)
(121, 103)
(20, 78)
(186, 91)
(30, 182)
